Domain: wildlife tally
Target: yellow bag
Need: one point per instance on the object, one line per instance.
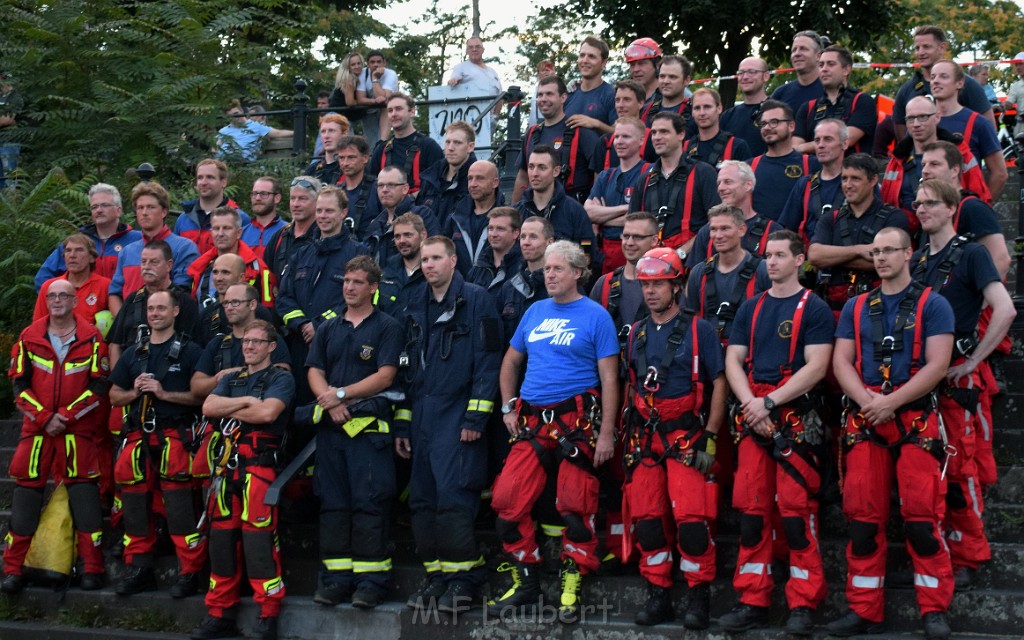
(52, 552)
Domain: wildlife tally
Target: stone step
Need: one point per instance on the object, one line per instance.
(47, 631)
(607, 618)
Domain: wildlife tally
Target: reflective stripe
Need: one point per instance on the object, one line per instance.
(403, 414)
(359, 566)
(868, 582)
(338, 564)
(383, 426)
(752, 567)
(41, 363)
(686, 566)
(955, 536)
(292, 315)
(266, 286)
(192, 540)
(330, 313)
(27, 397)
(272, 586)
(19, 362)
(33, 456)
(266, 522)
(658, 558)
(452, 567)
(95, 356)
(82, 398)
(552, 530)
(891, 175)
(929, 582)
(483, 406)
(72, 455)
(799, 574)
(318, 414)
(432, 566)
(97, 538)
(973, 490)
(616, 529)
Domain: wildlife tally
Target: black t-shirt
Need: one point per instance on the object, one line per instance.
(266, 383)
(177, 374)
(133, 313)
(964, 288)
(403, 155)
(772, 336)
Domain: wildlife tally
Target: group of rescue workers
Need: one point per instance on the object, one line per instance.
(413, 330)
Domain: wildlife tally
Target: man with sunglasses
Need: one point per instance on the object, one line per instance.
(256, 397)
(893, 348)
(301, 231)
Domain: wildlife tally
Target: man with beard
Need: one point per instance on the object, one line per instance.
(265, 222)
(401, 282)
(779, 168)
(194, 221)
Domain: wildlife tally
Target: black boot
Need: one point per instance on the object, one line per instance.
(139, 579)
(744, 617)
(525, 589)
(698, 608)
(658, 607)
(936, 625)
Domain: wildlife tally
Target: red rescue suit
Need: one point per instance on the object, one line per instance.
(75, 388)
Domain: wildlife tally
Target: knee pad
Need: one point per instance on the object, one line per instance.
(693, 538)
(751, 527)
(508, 531)
(955, 496)
(455, 540)
(575, 529)
(223, 551)
(84, 501)
(921, 536)
(259, 549)
(796, 533)
(181, 512)
(650, 535)
(136, 513)
(26, 505)
(862, 537)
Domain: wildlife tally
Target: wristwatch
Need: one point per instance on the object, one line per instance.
(769, 404)
(340, 393)
(509, 406)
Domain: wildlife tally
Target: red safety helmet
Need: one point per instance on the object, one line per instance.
(643, 49)
(660, 263)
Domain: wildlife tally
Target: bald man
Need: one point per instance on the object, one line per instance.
(467, 226)
(228, 270)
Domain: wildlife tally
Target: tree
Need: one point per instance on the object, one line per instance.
(717, 38)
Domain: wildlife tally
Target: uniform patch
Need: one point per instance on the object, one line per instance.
(794, 171)
(105, 364)
(627, 194)
(557, 145)
(366, 353)
(90, 299)
(117, 248)
(786, 329)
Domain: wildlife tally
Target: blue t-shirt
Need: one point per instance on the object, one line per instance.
(964, 289)
(984, 140)
(829, 192)
(725, 291)
(616, 187)
(795, 94)
(242, 141)
(276, 384)
(597, 103)
(677, 380)
(754, 241)
(562, 344)
(774, 331)
(938, 319)
(971, 96)
(739, 121)
(978, 218)
(776, 177)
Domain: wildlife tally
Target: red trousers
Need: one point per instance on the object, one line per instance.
(521, 481)
(243, 537)
(765, 491)
(157, 478)
(871, 470)
(662, 499)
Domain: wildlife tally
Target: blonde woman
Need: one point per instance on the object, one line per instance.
(344, 94)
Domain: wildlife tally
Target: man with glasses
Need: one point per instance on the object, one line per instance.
(903, 172)
(194, 221)
(840, 101)
(258, 397)
(107, 232)
(841, 241)
(300, 231)
(223, 354)
(393, 194)
(265, 197)
(893, 348)
(353, 363)
(59, 370)
(781, 166)
(741, 119)
(226, 232)
(803, 55)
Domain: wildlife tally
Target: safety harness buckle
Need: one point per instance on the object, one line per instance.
(651, 383)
